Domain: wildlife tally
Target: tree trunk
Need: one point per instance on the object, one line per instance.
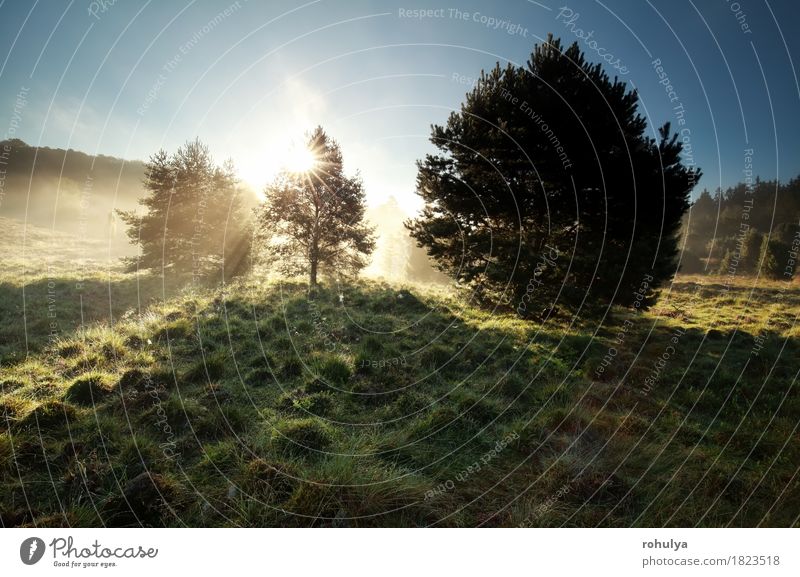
(312, 280)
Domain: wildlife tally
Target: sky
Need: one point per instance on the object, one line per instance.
(250, 78)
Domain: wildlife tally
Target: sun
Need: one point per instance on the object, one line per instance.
(300, 159)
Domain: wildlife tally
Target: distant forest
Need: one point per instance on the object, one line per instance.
(744, 229)
(67, 190)
(736, 228)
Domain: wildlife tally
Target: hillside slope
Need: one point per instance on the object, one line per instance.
(374, 405)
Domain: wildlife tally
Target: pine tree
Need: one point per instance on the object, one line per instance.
(750, 252)
(546, 187)
(192, 219)
(771, 255)
(313, 222)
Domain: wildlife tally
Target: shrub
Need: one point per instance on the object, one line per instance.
(145, 499)
(178, 329)
(773, 257)
(287, 400)
(11, 384)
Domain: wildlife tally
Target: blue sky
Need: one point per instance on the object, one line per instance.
(132, 77)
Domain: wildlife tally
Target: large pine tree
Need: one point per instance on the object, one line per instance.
(546, 188)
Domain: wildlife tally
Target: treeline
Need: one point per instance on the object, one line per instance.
(744, 230)
(67, 190)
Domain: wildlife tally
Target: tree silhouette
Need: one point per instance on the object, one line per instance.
(546, 186)
(313, 221)
(193, 218)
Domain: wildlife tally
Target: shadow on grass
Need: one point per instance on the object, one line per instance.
(46, 309)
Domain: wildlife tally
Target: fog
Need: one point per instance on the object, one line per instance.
(72, 193)
(397, 258)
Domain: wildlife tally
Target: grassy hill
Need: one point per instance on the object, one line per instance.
(374, 405)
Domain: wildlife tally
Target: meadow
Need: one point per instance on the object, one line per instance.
(374, 404)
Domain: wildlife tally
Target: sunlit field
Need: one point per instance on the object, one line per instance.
(375, 404)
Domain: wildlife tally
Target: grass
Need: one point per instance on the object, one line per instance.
(376, 405)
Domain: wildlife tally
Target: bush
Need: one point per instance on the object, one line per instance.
(691, 263)
(178, 329)
(593, 115)
(259, 377)
(146, 499)
(435, 356)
